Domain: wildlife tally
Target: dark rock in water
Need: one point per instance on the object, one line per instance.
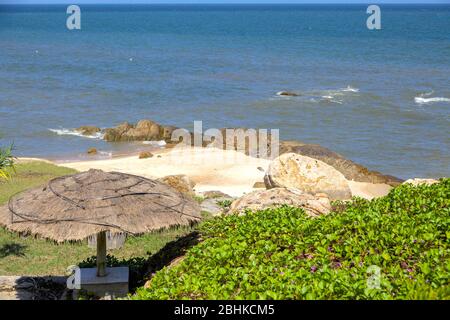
(287, 94)
(115, 134)
(92, 151)
(350, 169)
(144, 130)
(88, 130)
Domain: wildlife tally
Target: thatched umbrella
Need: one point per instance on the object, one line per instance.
(92, 203)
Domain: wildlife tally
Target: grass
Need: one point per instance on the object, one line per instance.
(31, 256)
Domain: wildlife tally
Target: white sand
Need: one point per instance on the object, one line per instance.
(369, 190)
(231, 172)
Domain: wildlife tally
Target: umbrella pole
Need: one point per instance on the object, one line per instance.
(101, 254)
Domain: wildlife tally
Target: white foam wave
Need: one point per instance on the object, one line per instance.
(422, 100)
(350, 89)
(105, 154)
(70, 132)
(331, 98)
(160, 143)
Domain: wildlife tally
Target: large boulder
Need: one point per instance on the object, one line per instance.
(292, 170)
(180, 182)
(350, 169)
(314, 205)
(116, 134)
(144, 130)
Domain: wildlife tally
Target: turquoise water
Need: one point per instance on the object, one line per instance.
(381, 98)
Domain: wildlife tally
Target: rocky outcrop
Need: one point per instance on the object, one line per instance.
(309, 175)
(148, 130)
(144, 130)
(88, 130)
(350, 169)
(314, 205)
(419, 181)
(181, 182)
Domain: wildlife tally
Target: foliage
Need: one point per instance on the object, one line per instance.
(283, 254)
(6, 162)
(225, 204)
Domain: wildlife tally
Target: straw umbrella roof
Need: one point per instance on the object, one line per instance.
(75, 207)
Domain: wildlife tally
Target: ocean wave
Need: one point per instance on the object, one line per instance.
(422, 100)
(107, 154)
(350, 89)
(331, 98)
(160, 143)
(72, 132)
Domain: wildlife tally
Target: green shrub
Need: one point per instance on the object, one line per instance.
(6, 162)
(283, 254)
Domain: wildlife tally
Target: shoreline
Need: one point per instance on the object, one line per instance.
(211, 169)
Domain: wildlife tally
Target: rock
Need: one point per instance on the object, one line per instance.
(309, 175)
(181, 182)
(419, 181)
(287, 94)
(210, 205)
(145, 155)
(350, 169)
(115, 134)
(263, 199)
(259, 185)
(289, 145)
(92, 151)
(215, 194)
(167, 132)
(239, 139)
(88, 130)
(216, 206)
(144, 130)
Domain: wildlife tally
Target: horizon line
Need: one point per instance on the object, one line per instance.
(227, 3)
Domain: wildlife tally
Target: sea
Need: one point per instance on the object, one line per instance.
(378, 97)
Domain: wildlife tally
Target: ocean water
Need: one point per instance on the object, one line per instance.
(381, 98)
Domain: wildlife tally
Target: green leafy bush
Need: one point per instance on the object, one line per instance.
(283, 254)
(6, 161)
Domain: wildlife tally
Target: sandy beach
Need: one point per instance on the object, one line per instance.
(211, 169)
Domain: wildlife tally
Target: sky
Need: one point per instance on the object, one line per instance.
(216, 1)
